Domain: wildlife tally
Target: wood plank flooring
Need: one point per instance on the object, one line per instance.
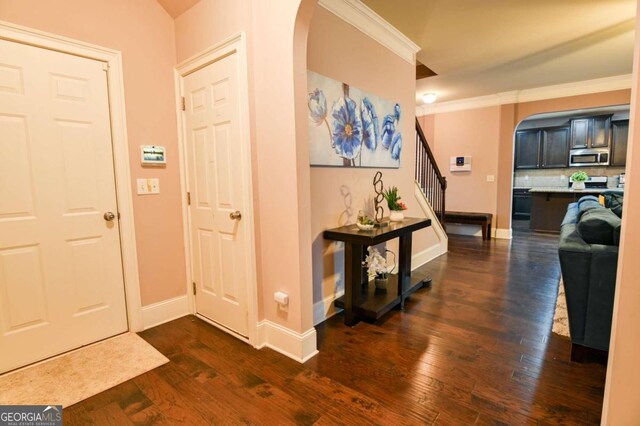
(474, 349)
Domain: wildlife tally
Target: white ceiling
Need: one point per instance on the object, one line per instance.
(486, 47)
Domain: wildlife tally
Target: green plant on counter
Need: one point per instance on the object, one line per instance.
(579, 176)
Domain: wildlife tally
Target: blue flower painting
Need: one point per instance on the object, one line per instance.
(350, 134)
(370, 126)
(347, 128)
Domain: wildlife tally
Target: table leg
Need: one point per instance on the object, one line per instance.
(404, 266)
(352, 281)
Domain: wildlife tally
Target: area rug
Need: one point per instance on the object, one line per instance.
(561, 318)
(77, 375)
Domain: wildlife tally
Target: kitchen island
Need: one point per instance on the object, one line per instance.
(549, 205)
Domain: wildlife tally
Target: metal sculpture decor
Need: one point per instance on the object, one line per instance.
(378, 187)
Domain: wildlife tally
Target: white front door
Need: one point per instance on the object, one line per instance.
(61, 283)
(216, 184)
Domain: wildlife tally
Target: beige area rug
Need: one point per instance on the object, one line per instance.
(77, 375)
(560, 317)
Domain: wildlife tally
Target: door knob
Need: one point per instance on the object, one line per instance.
(235, 215)
(109, 216)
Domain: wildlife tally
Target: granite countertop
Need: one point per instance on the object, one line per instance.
(570, 191)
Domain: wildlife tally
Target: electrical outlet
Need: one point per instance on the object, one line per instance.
(491, 178)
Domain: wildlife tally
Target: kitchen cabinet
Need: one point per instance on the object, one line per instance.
(527, 149)
(521, 204)
(555, 147)
(601, 131)
(591, 132)
(620, 135)
(542, 148)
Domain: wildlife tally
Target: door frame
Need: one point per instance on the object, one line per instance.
(235, 44)
(119, 142)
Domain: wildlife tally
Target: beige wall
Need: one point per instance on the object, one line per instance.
(472, 133)
(144, 33)
(491, 129)
(339, 51)
(208, 22)
(621, 406)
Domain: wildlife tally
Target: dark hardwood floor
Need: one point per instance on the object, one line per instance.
(475, 348)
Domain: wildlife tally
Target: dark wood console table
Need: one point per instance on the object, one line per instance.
(360, 298)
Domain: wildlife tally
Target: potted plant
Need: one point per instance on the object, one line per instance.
(395, 205)
(378, 267)
(578, 179)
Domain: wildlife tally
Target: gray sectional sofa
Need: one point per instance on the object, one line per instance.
(588, 249)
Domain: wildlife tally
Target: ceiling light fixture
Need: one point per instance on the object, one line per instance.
(429, 98)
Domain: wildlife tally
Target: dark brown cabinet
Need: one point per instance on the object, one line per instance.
(555, 147)
(580, 135)
(527, 149)
(591, 132)
(620, 135)
(542, 148)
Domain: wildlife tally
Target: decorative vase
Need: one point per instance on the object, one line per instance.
(381, 283)
(578, 185)
(396, 216)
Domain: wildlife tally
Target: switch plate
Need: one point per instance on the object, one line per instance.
(491, 178)
(148, 186)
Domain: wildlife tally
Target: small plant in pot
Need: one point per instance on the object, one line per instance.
(378, 267)
(396, 206)
(578, 179)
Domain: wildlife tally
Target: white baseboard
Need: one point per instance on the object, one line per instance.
(425, 256)
(165, 311)
(325, 309)
(300, 347)
(504, 234)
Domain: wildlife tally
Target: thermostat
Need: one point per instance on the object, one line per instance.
(460, 164)
(152, 155)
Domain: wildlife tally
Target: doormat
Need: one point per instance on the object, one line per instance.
(560, 317)
(80, 374)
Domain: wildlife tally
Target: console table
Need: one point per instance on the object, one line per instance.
(360, 298)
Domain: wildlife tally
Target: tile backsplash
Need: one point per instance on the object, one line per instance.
(559, 178)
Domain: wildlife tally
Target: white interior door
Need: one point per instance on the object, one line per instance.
(215, 181)
(61, 282)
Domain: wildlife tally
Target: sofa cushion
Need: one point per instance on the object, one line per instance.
(597, 226)
(614, 201)
(587, 203)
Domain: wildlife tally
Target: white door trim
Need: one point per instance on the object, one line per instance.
(235, 44)
(113, 58)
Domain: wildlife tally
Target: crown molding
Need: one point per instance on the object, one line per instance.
(586, 87)
(354, 12)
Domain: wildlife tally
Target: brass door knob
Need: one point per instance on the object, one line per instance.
(235, 215)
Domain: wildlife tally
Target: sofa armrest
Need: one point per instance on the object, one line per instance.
(602, 284)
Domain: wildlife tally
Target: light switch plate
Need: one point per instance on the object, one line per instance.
(491, 178)
(148, 186)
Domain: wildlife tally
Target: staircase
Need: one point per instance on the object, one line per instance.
(428, 176)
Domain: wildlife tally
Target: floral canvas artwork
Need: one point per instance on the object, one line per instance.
(351, 128)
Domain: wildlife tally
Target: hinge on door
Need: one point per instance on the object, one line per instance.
(188, 198)
(105, 66)
(194, 287)
(184, 104)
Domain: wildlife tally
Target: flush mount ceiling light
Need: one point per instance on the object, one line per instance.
(429, 98)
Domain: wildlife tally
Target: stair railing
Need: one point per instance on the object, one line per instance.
(428, 175)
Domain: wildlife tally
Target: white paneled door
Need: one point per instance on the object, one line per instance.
(215, 181)
(61, 282)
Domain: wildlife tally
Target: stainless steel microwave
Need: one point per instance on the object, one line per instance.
(589, 157)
